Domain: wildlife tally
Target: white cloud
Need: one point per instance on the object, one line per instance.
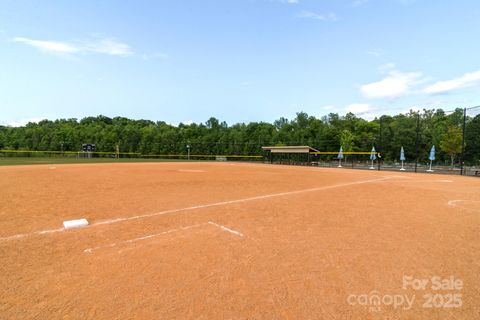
(48, 46)
(102, 46)
(187, 122)
(375, 52)
(289, 1)
(467, 80)
(358, 108)
(316, 16)
(25, 121)
(394, 85)
(363, 110)
(387, 67)
(108, 46)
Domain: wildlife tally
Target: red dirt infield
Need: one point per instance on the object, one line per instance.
(237, 241)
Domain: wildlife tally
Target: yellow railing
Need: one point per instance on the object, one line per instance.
(345, 152)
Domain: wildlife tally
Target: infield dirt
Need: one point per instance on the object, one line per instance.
(311, 239)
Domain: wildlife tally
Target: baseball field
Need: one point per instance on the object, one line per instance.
(221, 240)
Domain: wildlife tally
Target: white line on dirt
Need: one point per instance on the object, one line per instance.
(456, 203)
(90, 250)
(274, 195)
(238, 233)
(216, 204)
(422, 181)
(216, 225)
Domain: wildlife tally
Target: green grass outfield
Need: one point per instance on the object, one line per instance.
(15, 161)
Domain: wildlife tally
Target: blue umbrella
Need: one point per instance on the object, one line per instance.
(373, 157)
(340, 153)
(340, 157)
(432, 154)
(373, 154)
(402, 154)
(431, 157)
(402, 157)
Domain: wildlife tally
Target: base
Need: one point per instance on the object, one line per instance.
(69, 224)
(403, 169)
(429, 170)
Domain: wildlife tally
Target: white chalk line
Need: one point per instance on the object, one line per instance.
(90, 250)
(274, 195)
(223, 203)
(235, 232)
(23, 235)
(410, 181)
(150, 236)
(454, 203)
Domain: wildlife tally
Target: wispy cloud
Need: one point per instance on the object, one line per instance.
(25, 121)
(106, 46)
(375, 52)
(394, 85)
(316, 16)
(289, 1)
(48, 46)
(467, 80)
(363, 110)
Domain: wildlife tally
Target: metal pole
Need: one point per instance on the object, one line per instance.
(463, 140)
(417, 141)
(379, 144)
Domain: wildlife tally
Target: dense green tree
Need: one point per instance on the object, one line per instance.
(451, 143)
(387, 133)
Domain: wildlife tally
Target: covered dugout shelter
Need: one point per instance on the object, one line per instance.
(289, 154)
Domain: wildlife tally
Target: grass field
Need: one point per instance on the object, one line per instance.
(211, 240)
(13, 161)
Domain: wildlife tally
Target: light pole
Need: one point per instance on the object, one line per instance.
(188, 151)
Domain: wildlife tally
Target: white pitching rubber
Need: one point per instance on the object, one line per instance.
(69, 224)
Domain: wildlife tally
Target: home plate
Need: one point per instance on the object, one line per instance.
(69, 224)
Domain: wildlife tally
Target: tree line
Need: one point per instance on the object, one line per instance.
(328, 133)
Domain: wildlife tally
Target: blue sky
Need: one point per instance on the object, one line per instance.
(237, 60)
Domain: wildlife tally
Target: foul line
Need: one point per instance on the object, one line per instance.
(223, 228)
(238, 233)
(223, 203)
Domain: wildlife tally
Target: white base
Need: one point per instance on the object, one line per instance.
(339, 166)
(69, 224)
(371, 168)
(403, 169)
(429, 170)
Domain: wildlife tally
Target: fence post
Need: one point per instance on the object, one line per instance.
(463, 140)
(379, 158)
(417, 142)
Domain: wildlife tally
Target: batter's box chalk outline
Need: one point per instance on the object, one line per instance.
(150, 236)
